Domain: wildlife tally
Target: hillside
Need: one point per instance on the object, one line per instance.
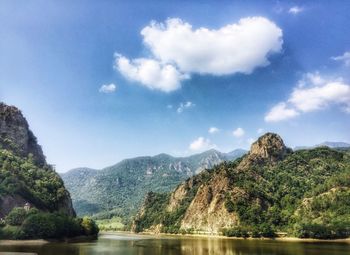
(304, 193)
(34, 203)
(119, 189)
(24, 174)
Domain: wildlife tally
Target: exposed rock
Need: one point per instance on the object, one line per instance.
(269, 148)
(16, 136)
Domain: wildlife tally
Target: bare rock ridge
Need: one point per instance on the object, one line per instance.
(16, 136)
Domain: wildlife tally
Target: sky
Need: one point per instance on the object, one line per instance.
(100, 81)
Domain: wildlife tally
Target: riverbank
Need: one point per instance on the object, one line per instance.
(46, 241)
(282, 239)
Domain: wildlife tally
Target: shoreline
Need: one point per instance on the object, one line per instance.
(36, 242)
(47, 241)
(281, 239)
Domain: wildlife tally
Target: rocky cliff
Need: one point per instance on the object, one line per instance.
(16, 136)
(25, 176)
(263, 191)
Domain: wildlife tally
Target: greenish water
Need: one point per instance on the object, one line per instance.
(141, 245)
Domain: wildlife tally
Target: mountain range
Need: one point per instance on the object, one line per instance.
(121, 188)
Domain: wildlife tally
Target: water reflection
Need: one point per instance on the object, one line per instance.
(147, 245)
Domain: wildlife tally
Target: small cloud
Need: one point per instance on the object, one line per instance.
(169, 106)
(184, 106)
(295, 10)
(344, 58)
(260, 131)
(107, 88)
(201, 144)
(250, 140)
(238, 132)
(280, 112)
(213, 130)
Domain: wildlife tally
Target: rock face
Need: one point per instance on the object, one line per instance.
(268, 149)
(16, 136)
(25, 176)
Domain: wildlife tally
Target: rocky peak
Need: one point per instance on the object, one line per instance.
(269, 148)
(16, 136)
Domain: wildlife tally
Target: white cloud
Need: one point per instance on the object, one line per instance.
(295, 10)
(260, 131)
(184, 106)
(316, 93)
(107, 88)
(344, 58)
(213, 130)
(169, 106)
(201, 144)
(280, 112)
(150, 73)
(238, 132)
(177, 50)
(239, 47)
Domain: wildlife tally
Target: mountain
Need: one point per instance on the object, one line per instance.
(304, 193)
(333, 145)
(25, 177)
(120, 189)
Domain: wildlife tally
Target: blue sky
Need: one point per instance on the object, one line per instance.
(241, 68)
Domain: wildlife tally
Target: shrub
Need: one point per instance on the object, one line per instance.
(39, 225)
(16, 216)
(89, 226)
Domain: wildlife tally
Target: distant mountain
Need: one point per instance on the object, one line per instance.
(333, 145)
(120, 189)
(271, 189)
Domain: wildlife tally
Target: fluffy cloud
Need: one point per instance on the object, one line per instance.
(295, 10)
(201, 144)
(184, 106)
(238, 132)
(213, 130)
(107, 88)
(177, 50)
(150, 73)
(344, 58)
(313, 93)
(239, 47)
(280, 112)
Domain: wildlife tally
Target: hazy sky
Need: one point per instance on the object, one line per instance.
(100, 81)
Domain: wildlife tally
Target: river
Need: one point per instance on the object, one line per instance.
(128, 244)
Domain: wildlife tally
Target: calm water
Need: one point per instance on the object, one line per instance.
(140, 245)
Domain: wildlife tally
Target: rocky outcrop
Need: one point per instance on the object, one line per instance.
(268, 149)
(16, 136)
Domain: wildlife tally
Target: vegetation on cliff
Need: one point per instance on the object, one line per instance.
(33, 200)
(272, 189)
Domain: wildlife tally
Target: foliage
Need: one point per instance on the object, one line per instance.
(16, 216)
(36, 224)
(39, 185)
